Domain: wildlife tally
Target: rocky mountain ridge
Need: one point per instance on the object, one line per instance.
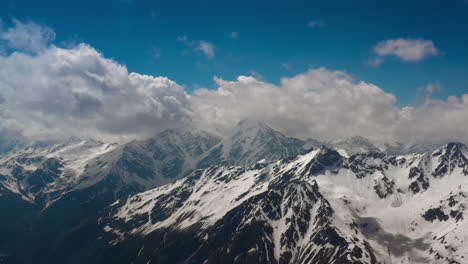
(320, 207)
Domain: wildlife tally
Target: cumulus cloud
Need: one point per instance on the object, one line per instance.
(435, 121)
(408, 50)
(60, 92)
(327, 104)
(319, 103)
(63, 92)
(28, 37)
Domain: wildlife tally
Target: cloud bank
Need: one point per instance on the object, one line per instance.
(327, 104)
(63, 92)
(319, 103)
(60, 92)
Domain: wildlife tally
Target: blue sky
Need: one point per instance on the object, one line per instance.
(273, 39)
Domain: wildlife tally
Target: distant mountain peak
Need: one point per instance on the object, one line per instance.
(253, 196)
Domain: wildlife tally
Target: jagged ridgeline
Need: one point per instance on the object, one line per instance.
(40, 182)
(253, 196)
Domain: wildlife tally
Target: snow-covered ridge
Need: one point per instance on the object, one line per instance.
(213, 192)
(43, 174)
(392, 209)
(37, 170)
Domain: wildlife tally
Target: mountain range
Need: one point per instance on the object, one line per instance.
(253, 195)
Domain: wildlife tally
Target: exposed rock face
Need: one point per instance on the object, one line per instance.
(253, 196)
(45, 174)
(82, 177)
(319, 207)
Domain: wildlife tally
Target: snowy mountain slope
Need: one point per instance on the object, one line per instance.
(71, 182)
(31, 180)
(175, 153)
(61, 186)
(288, 213)
(43, 174)
(149, 163)
(251, 141)
(268, 199)
(95, 173)
(320, 207)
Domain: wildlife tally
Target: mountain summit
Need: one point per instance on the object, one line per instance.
(252, 141)
(319, 207)
(253, 195)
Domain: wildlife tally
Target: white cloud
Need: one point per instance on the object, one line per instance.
(408, 50)
(329, 104)
(206, 48)
(319, 103)
(63, 92)
(60, 92)
(435, 121)
(79, 92)
(28, 37)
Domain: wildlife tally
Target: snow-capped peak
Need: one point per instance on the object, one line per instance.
(315, 206)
